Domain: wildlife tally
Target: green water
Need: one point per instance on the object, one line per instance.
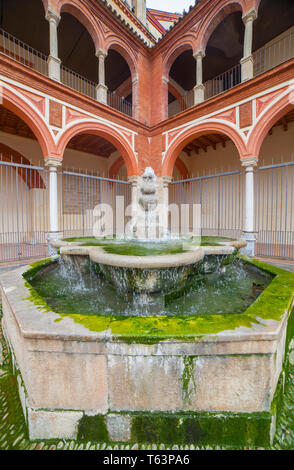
(150, 248)
(69, 291)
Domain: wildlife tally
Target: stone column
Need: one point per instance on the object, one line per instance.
(133, 180)
(199, 88)
(248, 234)
(164, 201)
(247, 63)
(101, 88)
(53, 163)
(53, 61)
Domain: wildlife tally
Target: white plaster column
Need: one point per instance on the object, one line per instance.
(53, 163)
(101, 88)
(53, 61)
(133, 180)
(247, 63)
(135, 100)
(199, 88)
(248, 234)
(163, 223)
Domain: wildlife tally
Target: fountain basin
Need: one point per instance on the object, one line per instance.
(148, 274)
(130, 375)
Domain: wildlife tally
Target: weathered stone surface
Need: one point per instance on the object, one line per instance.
(119, 427)
(53, 425)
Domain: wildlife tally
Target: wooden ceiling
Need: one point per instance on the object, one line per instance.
(95, 145)
(212, 140)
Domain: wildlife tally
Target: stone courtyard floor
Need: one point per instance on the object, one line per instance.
(13, 433)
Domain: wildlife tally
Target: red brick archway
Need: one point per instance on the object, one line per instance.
(267, 120)
(194, 132)
(108, 133)
(19, 106)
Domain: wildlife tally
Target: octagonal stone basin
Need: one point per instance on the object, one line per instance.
(74, 369)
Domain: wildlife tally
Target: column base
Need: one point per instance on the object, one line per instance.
(247, 68)
(54, 68)
(250, 238)
(101, 94)
(50, 237)
(199, 94)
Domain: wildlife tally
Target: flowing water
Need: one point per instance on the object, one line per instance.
(229, 290)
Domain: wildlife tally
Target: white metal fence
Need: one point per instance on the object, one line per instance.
(24, 206)
(222, 199)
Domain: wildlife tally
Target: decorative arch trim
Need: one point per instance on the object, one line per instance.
(115, 43)
(108, 133)
(268, 119)
(196, 131)
(182, 45)
(24, 109)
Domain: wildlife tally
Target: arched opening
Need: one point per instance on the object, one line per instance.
(274, 195)
(273, 41)
(93, 173)
(182, 79)
(24, 190)
(79, 69)
(24, 33)
(224, 50)
(214, 182)
(119, 82)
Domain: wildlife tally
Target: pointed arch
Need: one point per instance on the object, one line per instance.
(105, 131)
(204, 128)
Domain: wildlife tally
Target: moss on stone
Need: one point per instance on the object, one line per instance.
(92, 428)
(223, 429)
(188, 379)
(272, 304)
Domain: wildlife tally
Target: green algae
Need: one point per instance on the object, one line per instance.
(188, 379)
(272, 304)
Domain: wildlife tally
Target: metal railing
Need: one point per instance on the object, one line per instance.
(118, 103)
(29, 57)
(273, 54)
(223, 82)
(77, 82)
(22, 53)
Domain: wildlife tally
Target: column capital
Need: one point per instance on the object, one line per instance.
(133, 180)
(101, 53)
(251, 15)
(166, 180)
(250, 162)
(53, 162)
(54, 17)
(199, 54)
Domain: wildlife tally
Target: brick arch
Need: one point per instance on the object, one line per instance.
(204, 128)
(214, 18)
(31, 178)
(115, 167)
(108, 133)
(83, 15)
(25, 111)
(267, 120)
(125, 50)
(182, 45)
(182, 168)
